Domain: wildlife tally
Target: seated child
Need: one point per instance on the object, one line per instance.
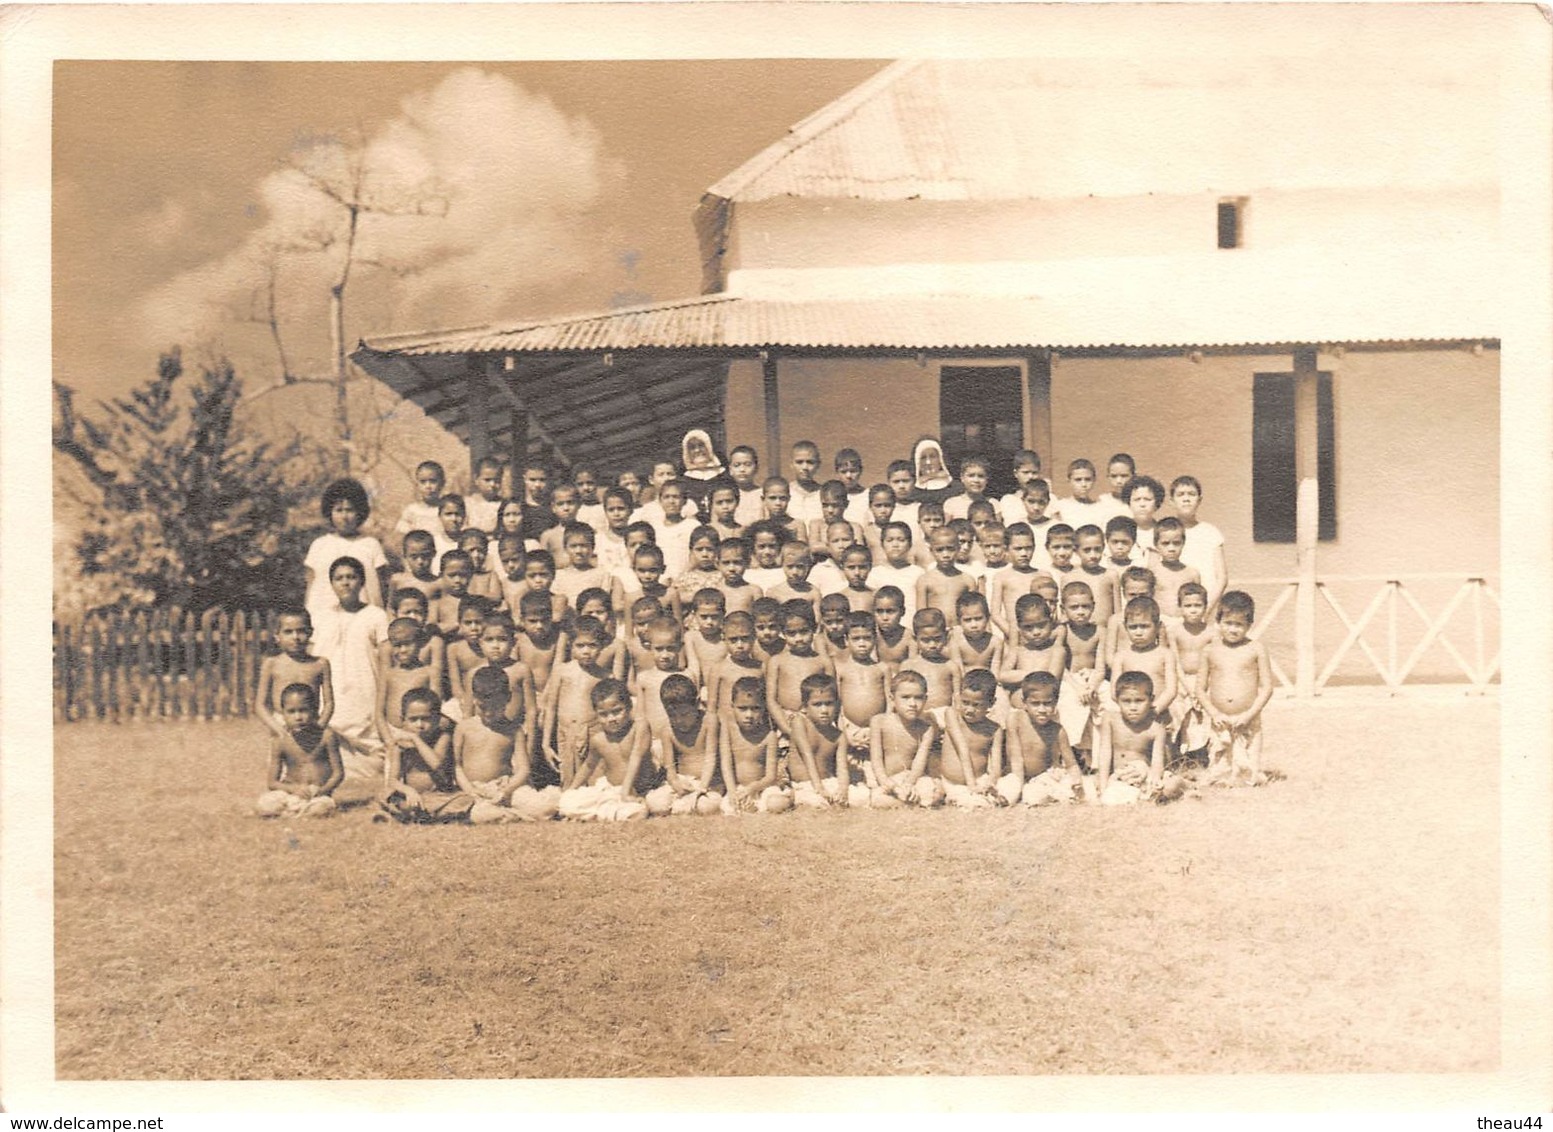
(748, 745)
(421, 784)
(930, 660)
(733, 555)
(943, 583)
(1130, 748)
(566, 707)
(787, 670)
(420, 551)
(972, 745)
(900, 743)
(689, 745)
(818, 764)
(1041, 766)
(894, 642)
(294, 665)
(896, 569)
(604, 785)
(1233, 686)
(305, 766)
(490, 757)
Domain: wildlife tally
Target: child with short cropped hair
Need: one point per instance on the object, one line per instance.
(421, 514)
(973, 744)
(704, 645)
(1119, 470)
(744, 468)
(1204, 548)
(582, 573)
(974, 473)
(419, 553)
(565, 707)
(1080, 508)
(862, 680)
(539, 643)
(590, 504)
(856, 564)
(818, 763)
(464, 655)
(1037, 647)
(482, 580)
(304, 766)
(609, 547)
(1087, 660)
(348, 637)
(701, 568)
(879, 511)
(604, 785)
(941, 585)
(940, 675)
(973, 642)
(458, 570)
(1135, 581)
(411, 605)
(688, 742)
(1061, 545)
(833, 507)
(826, 575)
(849, 470)
(748, 746)
(1233, 686)
(1041, 766)
(1027, 469)
(491, 758)
(786, 671)
(665, 639)
(294, 665)
(1169, 566)
(1130, 747)
(498, 643)
(722, 501)
(776, 496)
(901, 742)
(738, 637)
(450, 521)
(765, 542)
(1121, 539)
(1143, 651)
(896, 569)
(1007, 585)
(895, 643)
(420, 782)
(767, 613)
(804, 488)
(733, 556)
(901, 476)
(1089, 549)
(1188, 639)
(539, 575)
(672, 532)
(405, 670)
(797, 562)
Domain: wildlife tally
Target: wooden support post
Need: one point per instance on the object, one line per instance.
(1038, 419)
(477, 411)
(1307, 513)
(772, 459)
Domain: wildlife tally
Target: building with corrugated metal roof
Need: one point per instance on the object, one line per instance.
(1277, 276)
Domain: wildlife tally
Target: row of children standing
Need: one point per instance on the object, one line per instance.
(679, 615)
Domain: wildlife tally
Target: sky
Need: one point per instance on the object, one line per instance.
(567, 186)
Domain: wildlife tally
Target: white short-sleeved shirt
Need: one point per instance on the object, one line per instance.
(1077, 514)
(322, 554)
(803, 505)
(751, 508)
(418, 517)
(480, 512)
(827, 578)
(675, 543)
(1201, 541)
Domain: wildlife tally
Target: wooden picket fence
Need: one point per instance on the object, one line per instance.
(163, 664)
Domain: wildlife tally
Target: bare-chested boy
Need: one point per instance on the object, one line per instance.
(412, 605)
(1143, 651)
(832, 638)
(1041, 766)
(1234, 685)
(1172, 573)
(1039, 647)
(464, 654)
(796, 564)
(1188, 640)
(733, 558)
(490, 757)
(604, 786)
(894, 642)
(688, 741)
(818, 764)
(567, 705)
(613, 657)
(1060, 549)
(420, 782)
(420, 552)
(457, 571)
(669, 656)
(863, 681)
(930, 660)
(787, 670)
(748, 748)
(1136, 581)
(540, 642)
(741, 661)
(1130, 746)
(1090, 550)
(1012, 582)
(305, 768)
(1087, 659)
(973, 643)
(900, 745)
(704, 647)
(943, 582)
(498, 640)
(294, 665)
(405, 670)
(973, 744)
(767, 612)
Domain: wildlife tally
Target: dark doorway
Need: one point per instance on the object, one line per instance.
(982, 414)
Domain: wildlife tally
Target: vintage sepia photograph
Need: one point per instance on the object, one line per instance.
(912, 545)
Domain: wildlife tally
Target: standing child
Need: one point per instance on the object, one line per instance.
(491, 758)
(590, 505)
(647, 567)
(1170, 568)
(826, 575)
(1144, 652)
(849, 470)
(1121, 539)
(767, 613)
(942, 584)
(669, 656)
(900, 743)
(1080, 508)
(483, 501)
(880, 510)
(689, 745)
(973, 744)
(748, 746)
(1204, 549)
(419, 552)
(1039, 646)
(856, 564)
(744, 467)
(405, 670)
(482, 580)
(672, 532)
(349, 634)
(563, 508)
(1136, 581)
(610, 549)
(345, 508)
(1027, 469)
(465, 655)
(701, 567)
(930, 517)
(973, 643)
(940, 675)
(787, 670)
(862, 680)
(1090, 550)
(540, 641)
(897, 569)
(304, 765)
(1060, 548)
(740, 661)
(796, 564)
(765, 541)
(512, 558)
(432, 650)
(613, 657)
(723, 502)
(901, 475)
(833, 507)
(644, 611)
(733, 557)
(1188, 640)
(833, 626)
(294, 665)
(1036, 498)
(583, 573)
(973, 488)
(604, 784)
(776, 495)
(421, 514)
(804, 488)
(450, 521)
(1119, 470)
(566, 707)
(895, 643)
(458, 570)
(1234, 686)
(1087, 660)
(539, 577)
(1007, 585)
(498, 640)
(704, 645)
(1041, 766)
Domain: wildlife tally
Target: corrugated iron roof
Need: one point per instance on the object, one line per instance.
(1154, 122)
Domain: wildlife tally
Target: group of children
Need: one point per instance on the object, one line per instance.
(703, 641)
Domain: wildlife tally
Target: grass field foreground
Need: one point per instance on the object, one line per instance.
(1342, 920)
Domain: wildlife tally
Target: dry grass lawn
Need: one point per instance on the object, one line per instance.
(1343, 920)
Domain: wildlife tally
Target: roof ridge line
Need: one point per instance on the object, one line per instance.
(810, 128)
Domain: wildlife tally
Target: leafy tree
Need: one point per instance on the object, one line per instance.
(192, 510)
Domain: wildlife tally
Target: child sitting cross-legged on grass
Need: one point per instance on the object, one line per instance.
(1130, 748)
(973, 744)
(604, 785)
(748, 745)
(305, 766)
(688, 740)
(818, 762)
(900, 744)
(490, 757)
(421, 785)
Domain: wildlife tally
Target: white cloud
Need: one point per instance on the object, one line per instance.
(518, 178)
